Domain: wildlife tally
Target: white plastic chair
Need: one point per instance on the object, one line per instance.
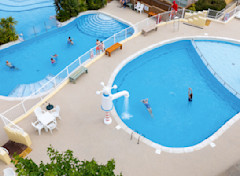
(56, 112)
(137, 6)
(237, 15)
(38, 126)
(52, 126)
(38, 111)
(9, 172)
(140, 9)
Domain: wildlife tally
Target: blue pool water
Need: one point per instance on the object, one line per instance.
(32, 57)
(163, 75)
(227, 58)
(33, 16)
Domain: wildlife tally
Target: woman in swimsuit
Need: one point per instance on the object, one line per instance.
(145, 102)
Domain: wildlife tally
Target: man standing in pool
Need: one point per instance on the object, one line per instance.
(145, 102)
(190, 95)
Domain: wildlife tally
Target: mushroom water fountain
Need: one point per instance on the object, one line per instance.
(107, 100)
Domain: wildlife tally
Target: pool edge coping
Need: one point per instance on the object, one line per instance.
(208, 141)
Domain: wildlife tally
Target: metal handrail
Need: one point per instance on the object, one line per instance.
(213, 71)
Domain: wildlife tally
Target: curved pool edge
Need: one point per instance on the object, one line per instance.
(7, 45)
(207, 142)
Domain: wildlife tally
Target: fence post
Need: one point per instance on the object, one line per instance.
(67, 71)
(183, 11)
(79, 60)
(207, 12)
(23, 107)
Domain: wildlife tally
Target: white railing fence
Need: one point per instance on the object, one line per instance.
(36, 97)
(9, 123)
(224, 15)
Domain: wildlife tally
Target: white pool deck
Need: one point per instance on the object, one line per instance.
(82, 130)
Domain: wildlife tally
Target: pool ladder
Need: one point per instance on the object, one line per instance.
(139, 137)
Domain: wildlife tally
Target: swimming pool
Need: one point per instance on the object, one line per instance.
(33, 16)
(163, 75)
(32, 57)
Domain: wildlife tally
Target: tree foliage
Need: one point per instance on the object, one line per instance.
(62, 164)
(7, 30)
(212, 4)
(66, 9)
(192, 7)
(95, 4)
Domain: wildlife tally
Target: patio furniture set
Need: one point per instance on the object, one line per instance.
(46, 119)
(151, 7)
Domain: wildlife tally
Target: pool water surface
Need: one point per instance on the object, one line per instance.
(163, 75)
(32, 57)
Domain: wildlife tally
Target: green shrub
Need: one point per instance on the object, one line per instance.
(7, 30)
(62, 164)
(66, 9)
(95, 4)
(212, 4)
(192, 7)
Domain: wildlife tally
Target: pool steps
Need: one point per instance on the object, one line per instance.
(97, 24)
(196, 19)
(25, 90)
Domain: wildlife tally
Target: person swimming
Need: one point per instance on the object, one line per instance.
(55, 55)
(145, 102)
(53, 61)
(190, 95)
(10, 65)
(70, 41)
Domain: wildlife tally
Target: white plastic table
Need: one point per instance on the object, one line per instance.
(46, 118)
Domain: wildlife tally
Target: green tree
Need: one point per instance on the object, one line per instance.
(62, 164)
(7, 30)
(212, 4)
(96, 4)
(66, 9)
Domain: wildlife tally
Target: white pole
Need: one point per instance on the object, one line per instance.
(23, 107)
(67, 71)
(183, 10)
(79, 59)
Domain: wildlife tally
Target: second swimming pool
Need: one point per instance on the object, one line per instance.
(32, 57)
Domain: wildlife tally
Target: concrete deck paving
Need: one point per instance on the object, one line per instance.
(82, 130)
